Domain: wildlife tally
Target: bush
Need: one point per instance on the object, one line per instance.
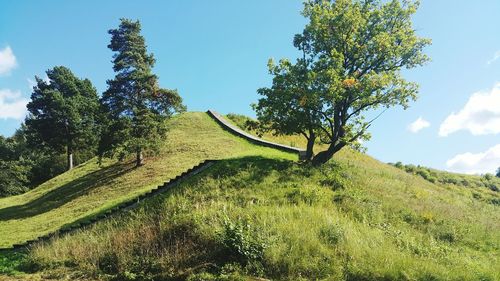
(335, 177)
(241, 244)
(13, 262)
(423, 173)
(488, 176)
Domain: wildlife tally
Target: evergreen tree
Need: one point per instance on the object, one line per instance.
(62, 113)
(135, 105)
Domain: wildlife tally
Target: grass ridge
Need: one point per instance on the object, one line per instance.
(124, 206)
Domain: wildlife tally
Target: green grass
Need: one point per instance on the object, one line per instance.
(353, 219)
(90, 189)
(258, 214)
(486, 187)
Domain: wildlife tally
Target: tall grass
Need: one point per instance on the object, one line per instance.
(353, 219)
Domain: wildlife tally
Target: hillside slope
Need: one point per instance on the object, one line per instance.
(90, 189)
(255, 214)
(355, 219)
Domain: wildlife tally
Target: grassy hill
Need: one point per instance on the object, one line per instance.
(90, 189)
(257, 214)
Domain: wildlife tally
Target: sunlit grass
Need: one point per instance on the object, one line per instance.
(90, 188)
(353, 219)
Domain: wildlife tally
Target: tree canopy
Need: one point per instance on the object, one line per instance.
(134, 104)
(353, 52)
(63, 113)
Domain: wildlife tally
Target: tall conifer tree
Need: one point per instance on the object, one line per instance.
(135, 105)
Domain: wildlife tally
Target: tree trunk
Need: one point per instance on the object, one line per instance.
(139, 160)
(323, 157)
(310, 147)
(69, 158)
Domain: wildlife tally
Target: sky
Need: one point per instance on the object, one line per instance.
(215, 53)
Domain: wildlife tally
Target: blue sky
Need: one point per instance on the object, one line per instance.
(215, 54)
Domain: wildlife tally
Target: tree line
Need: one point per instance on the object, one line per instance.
(67, 117)
(352, 56)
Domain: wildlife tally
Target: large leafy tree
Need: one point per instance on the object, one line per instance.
(291, 106)
(135, 105)
(63, 113)
(353, 52)
(14, 172)
(24, 166)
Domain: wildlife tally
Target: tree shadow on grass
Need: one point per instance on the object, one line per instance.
(255, 168)
(66, 193)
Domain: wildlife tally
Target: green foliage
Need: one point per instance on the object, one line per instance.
(291, 106)
(196, 231)
(63, 113)
(245, 123)
(487, 181)
(24, 166)
(241, 241)
(12, 263)
(13, 177)
(353, 52)
(336, 176)
(91, 189)
(134, 106)
(379, 214)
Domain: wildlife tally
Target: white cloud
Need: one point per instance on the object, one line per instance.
(480, 115)
(476, 163)
(12, 104)
(496, 56)
(7, 60)
(418, 125)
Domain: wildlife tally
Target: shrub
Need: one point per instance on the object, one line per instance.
(335, 177)
(12, 262)
(245, 123)
(241, 244)
(238, 119)
(488, 176)
(423, 173)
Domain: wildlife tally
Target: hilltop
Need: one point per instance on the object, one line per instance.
(257, 213)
